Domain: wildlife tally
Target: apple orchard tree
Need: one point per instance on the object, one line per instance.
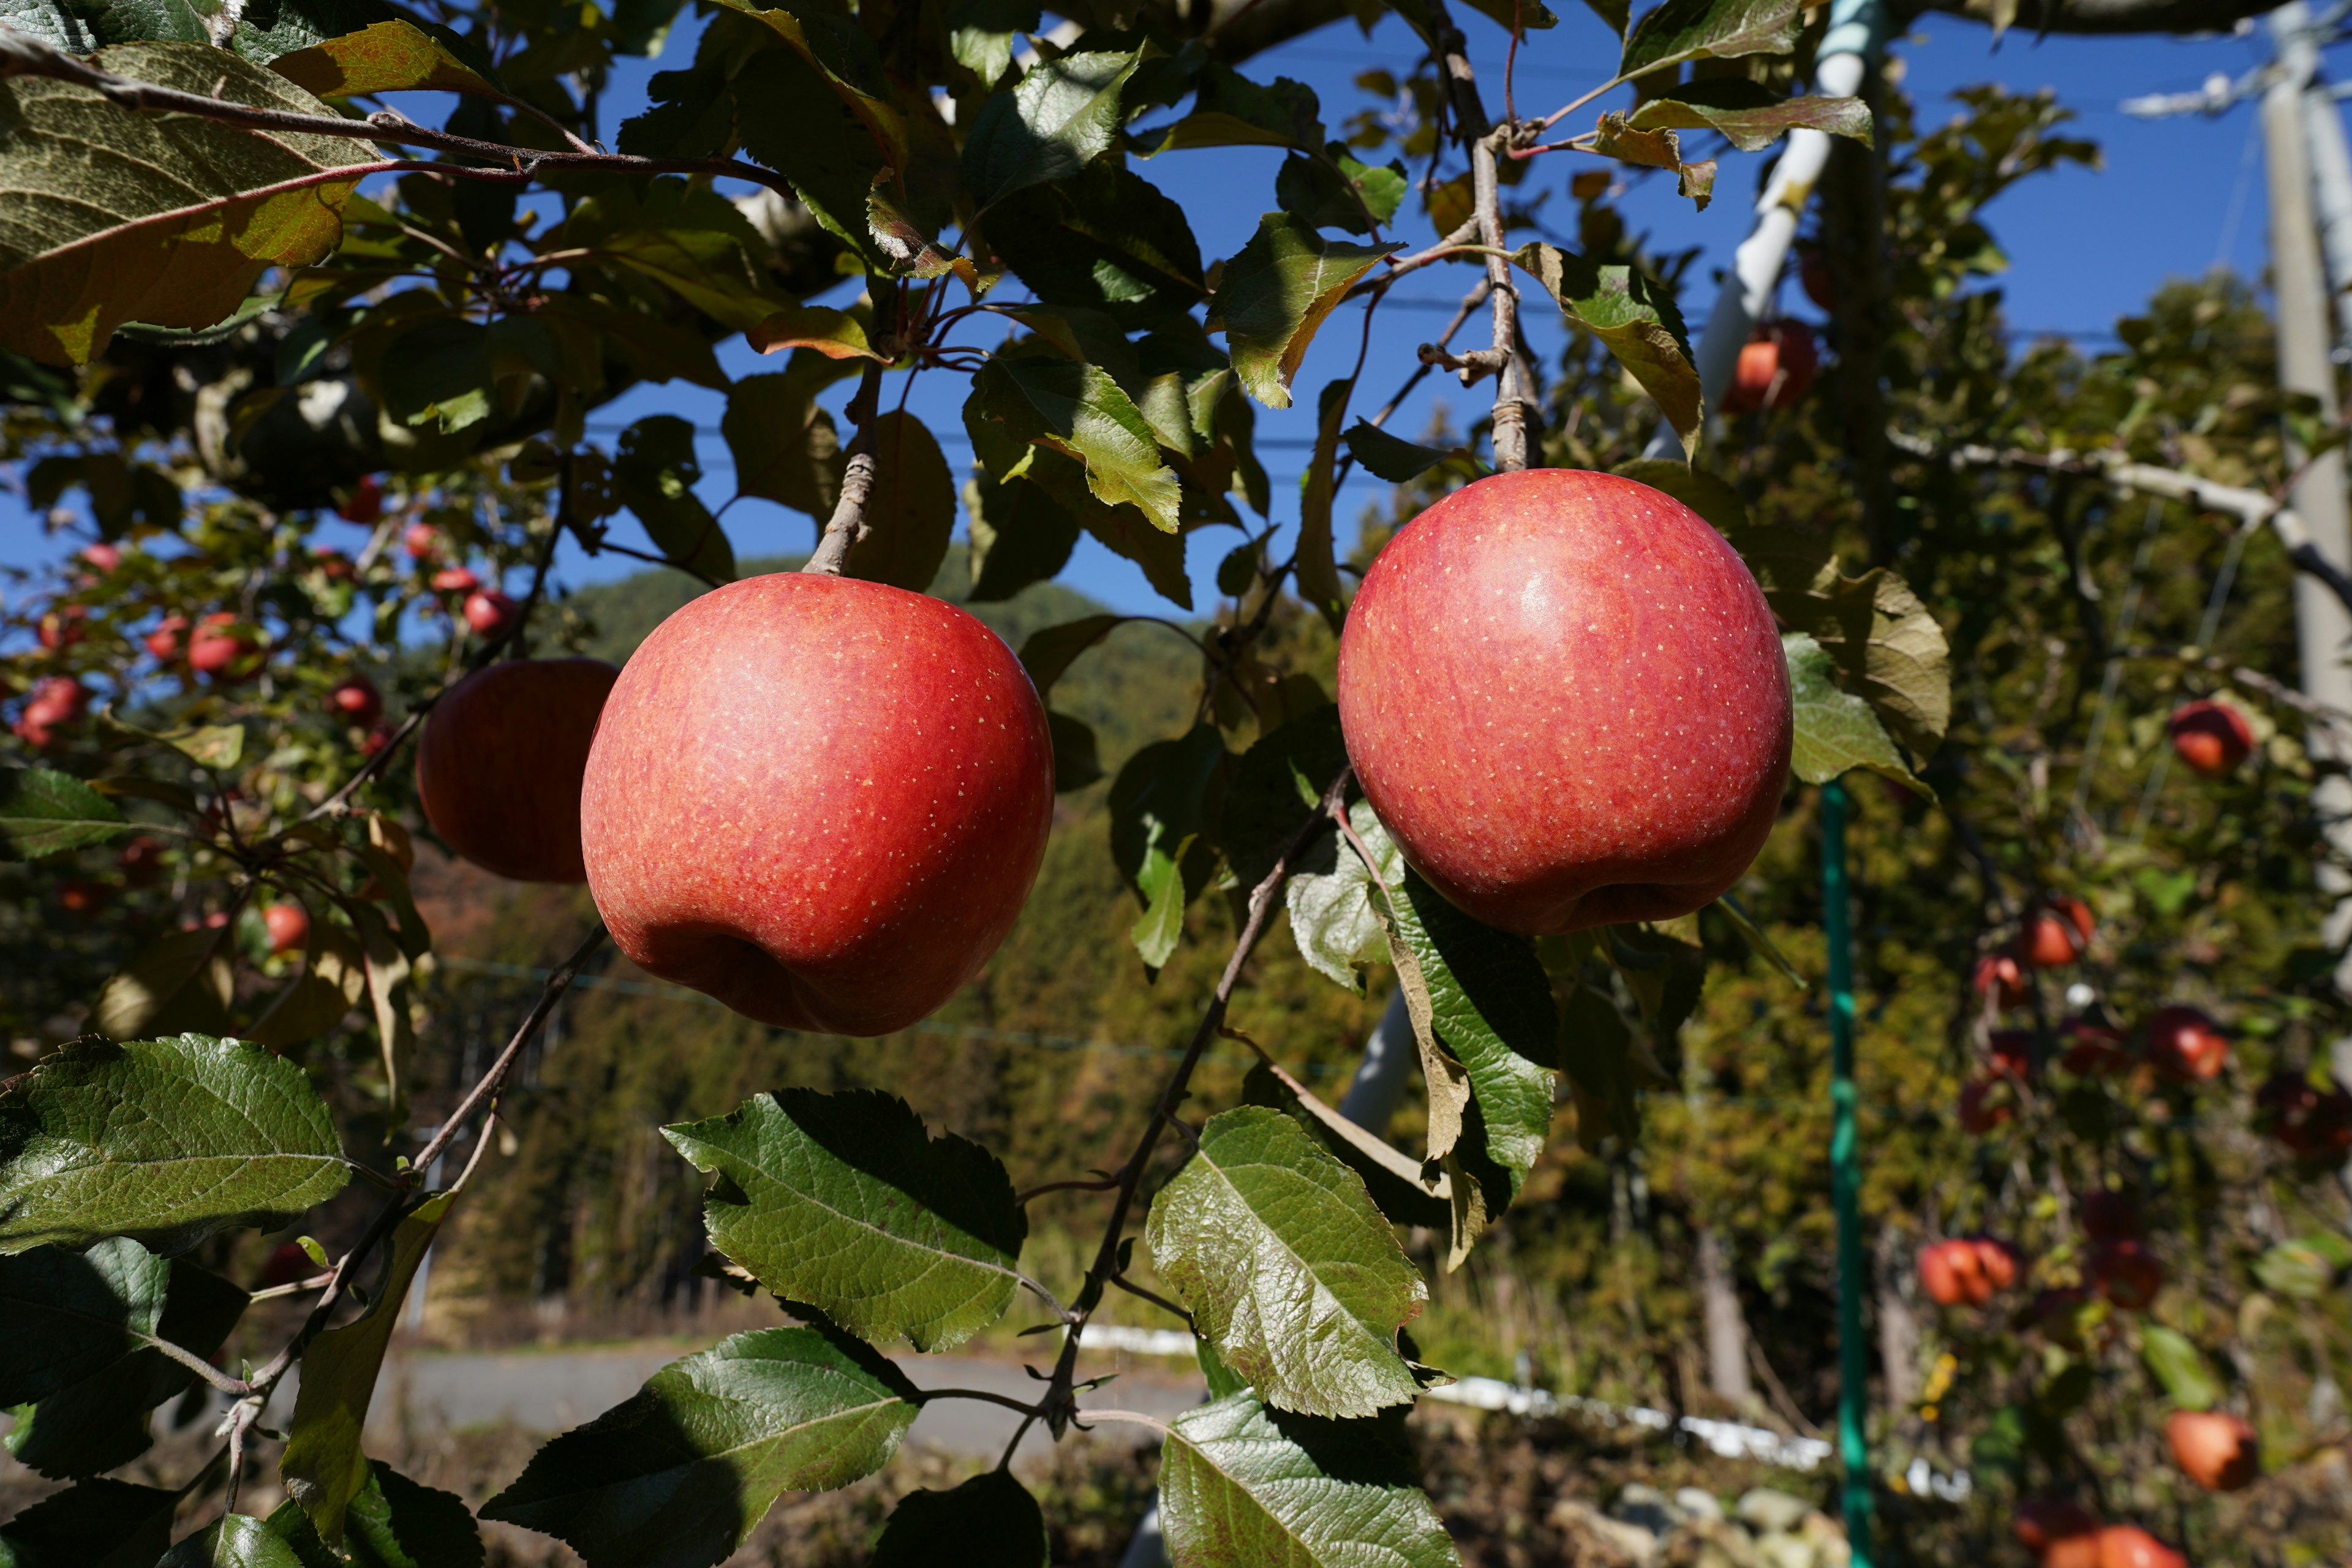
(241, 292)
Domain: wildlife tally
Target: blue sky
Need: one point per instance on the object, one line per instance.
(2174, 199)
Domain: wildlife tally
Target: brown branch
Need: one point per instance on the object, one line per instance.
(848, 525)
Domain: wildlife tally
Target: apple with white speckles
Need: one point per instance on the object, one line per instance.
(820, 800)
(1565, 696)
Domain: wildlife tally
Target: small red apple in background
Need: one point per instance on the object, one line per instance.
(2093, 1051)
(2211, 739)
(374, 741)
(500, 763)
(219, 649)
(2129, 1274)
(421, 539)
(55, 703)
(1775, 368)
(1985, 1104)
(489, 612)
(1998, 975)
(63, 627)
(1997, 1261)
(2186, 1045)
(163, 642)
(1813, 278)
(334, 565)
(2058, 933)
(1951, 1273)
(141, 861)
(454, 580)
(820, 800)
(2129, 1546)
(101, 557)
(2310, 1121)
(355, 700)
(2220, 1452)
(2110, 1215)
(365, 503)
(2012, 1053)
(1614, 743)
(288, 926)
(82, 897)
(2041, 1522)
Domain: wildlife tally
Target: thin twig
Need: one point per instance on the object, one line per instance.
(551, 992)
(1075, 1184)
(927, 1395)
(236, 1387)
(847, 524)
(1157, 1300)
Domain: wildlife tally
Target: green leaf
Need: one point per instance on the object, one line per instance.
(785, 448)
(393, 1522)
(2306, 1267)
(1077, 763)
(164, 218)
(1634, 318)
(1709, 29)
(659, 350)
(182, 982)
(388, 971)
(1231, 111)
(910, 515)
(1401, 1186)
(688, 238)
(1063, 114)
(990, 1521)
(1051, 650)
(43, 812)
(233, 1541)
(1392, 457)
(844, 1201)
(1749, 114)
(1754, 936)
(682, 1471)
(1122, 529)
(1021, 403)
(1835, 730)
(1710, 495)
(1290, 1270)
(1106, 239)
(1161, 807)
(163, 1141)
(93, 1524)
(1241, 1487)
(333, 981)
(2179, 1366)
(1597, 1050)
(1887, 647)
(75, 1345)
(55, 25)
(1277, 784)
(1020, 535)
(323, 1468)
(835, 335)
(1275, 296)
(796, 125)
(1317, 572)
(266, 30)
(655, 470)
(389, 57)
(1339, 190)
(1332, 921)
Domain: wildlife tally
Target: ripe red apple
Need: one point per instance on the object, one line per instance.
(2012, 1053)
(1775, 368)
(2094, 1051)
(218, 648)
(2129, 1546)
(421, 539)
(2186, 1045)
(2310, 1121)
(1565, 698)
(82, 897)
(355, 700)
(2129, 1274)
(62, 628)
(820, 800)
(2217, 1451)
(499, 766)
(2058, 933)
(489, 612)
(454, 580)
(365, 503)
(101, 557)
(2210, 738)
(141, 861)
(2111, 1216)
(163, 642)
(1985, 1104)
(1997, 1263)
(1950, 1272)
(1998, 975)
(56, 704)
(2041, 1522)
(288, 926)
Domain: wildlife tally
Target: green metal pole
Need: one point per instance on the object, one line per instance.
(1846, 1179)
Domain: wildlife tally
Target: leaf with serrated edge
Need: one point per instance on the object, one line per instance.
(683, 1470)
(1751, 115)
(323, 1468)
(1332, 921)
(1019, 535)
(1077, 410)
(1391, 458)
(845, 1201)
(1274, 295)
(1709, 29)
(1317, 572)
(1051, 650)
(163, 1141)
(785, 448)
(233, 1541)
(393, 1522)
(44, 811)
(389, 57)
(1241, 1487)
(1835, 730)
(2176, 1363)
(186, 217)
(910, 513)
(94, 1524)
(990, 1521)
(1291, 1271)
(1636, 319)
(1063, 115)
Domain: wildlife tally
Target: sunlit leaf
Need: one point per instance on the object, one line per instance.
(1077, 410)
(1274, 295)
(1751, 115)
(1708, 29)
(1062, 116)
(2179, 1366)
(1634, 318)
(1835, 730)
(393, 1522)
(389, 56)
(43, 812)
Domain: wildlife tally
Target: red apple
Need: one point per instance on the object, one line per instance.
(421, 539)
(499, 765)
(454, 580)
(2111, 1216)
(1997, 1263)
(2210, 738)
(2128, 1273)
(2041, 1522)
(1775, 368)
(2129, 1546)
(288, 926)
(1985, 1104)
(1813, 278)
(2185, 1046)
(489, 612)
(56, 704)
(80, 898)
(1949, 1272)
(365, 503)
(101, 557)
(2219, 1452)
(355, 700)
(62, 628)
(163, 642)
(334, 565)
(2310, 1121)
(218, 648)
(2093, 1051)
(141, 861)
(1565, 698)
(2012, 1053)
(1998, 975)
(820, 800)
(2058, 933)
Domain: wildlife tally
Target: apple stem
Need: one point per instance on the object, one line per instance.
(847, 524)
